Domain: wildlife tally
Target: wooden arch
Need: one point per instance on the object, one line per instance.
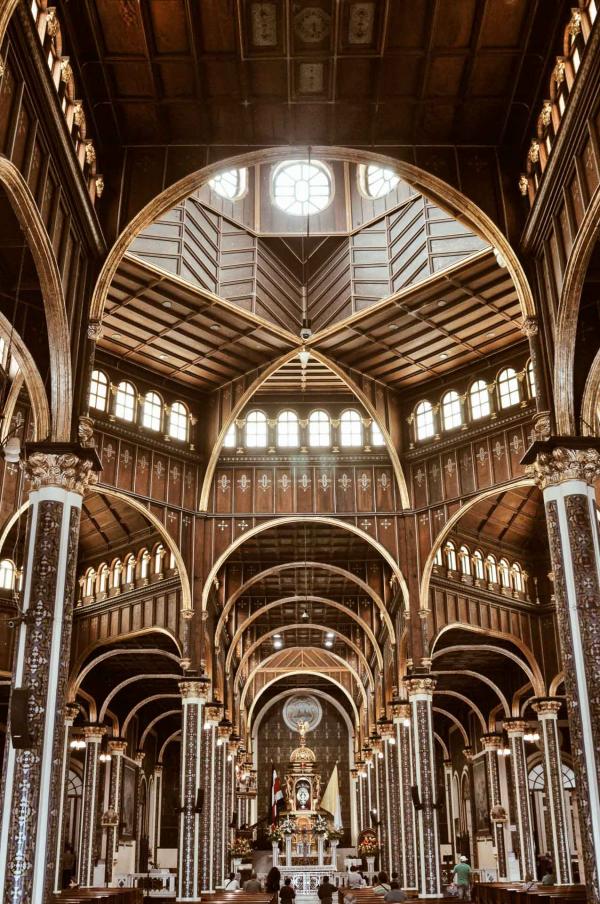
(28, 215)
(292, 599)
(325, 677)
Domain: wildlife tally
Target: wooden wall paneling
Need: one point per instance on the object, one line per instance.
(365, 489)
(125, 478)
(263, 491)
(385, 533)
(284, 490)
(142, 472)
(467, 469)
(345, 490)
(434, 480)
(450, 474)
(303, 484)
(325, 491)
(175, 482)
(222, 535)
(385, 490)
(158, 486)
(223, 490)
(499, 458)
(243, 479)
(108, 455)
(482, 464)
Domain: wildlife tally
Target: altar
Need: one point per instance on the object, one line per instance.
(302, 828)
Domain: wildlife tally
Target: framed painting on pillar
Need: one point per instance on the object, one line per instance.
(480, 797)
(128, 800)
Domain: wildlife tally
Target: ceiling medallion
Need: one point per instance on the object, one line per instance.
(361, 22)
(302, 708)
(312, 25)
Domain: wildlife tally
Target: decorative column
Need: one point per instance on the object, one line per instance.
(565, 468)
(224, 810)
(547, 710)
(93, 735)
(33, 774)
(420, 689)
(193, 697)
(116, 748)
(387, 796)
(406, 855)
(492, 743)
(515, 729)
(211, 781)
(449, 806)
(158, 779)
(71, 713)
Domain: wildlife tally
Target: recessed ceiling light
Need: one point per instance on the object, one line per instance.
(491, 334)
(215, 326)
(162, 357)
(328, 643)
(167, 304)
(443, 356)
(116, 335)
(393, 326)
(277, 636)
(277, 644)
(330, 634)
(441, 303)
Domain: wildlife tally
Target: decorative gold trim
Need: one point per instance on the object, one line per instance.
(67, 471)
(562, 464)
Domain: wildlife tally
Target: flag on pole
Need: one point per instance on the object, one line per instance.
(331, 801)
(277, 802)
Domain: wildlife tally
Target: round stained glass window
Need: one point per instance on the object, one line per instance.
(302, 188)
(230, 184)
(377, 181)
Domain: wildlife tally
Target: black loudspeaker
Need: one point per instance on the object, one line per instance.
(199, 800)
(19, 729)
(416, 798)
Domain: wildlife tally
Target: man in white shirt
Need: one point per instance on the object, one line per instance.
(355, 880)
(232, 883)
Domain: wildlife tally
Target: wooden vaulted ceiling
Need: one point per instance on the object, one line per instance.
(262, 72)
(111, 527)
(515, 519)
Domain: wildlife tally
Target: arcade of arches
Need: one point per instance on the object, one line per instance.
(300, 386)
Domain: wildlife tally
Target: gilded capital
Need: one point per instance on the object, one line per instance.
(562, 464)
(546, 707)
(194, 690)
(94, 330)
(66, 470)
(71, 712)
(420, 684)
(491, 741)
(139, 758)
(400, 711)
(516, 726)
(93, 733)
(117, 746)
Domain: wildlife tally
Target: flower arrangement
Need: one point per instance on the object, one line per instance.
(368, 847)
(275, 835)
(288, 826)
(320, 826)
(241, 847)
(335, 834)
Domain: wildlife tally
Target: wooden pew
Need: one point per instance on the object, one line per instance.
(99, 895)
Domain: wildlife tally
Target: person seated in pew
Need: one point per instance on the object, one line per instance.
(395, 893)
(232, 883)
(382, 886)
(354, 878)
(287, 893)
(252, 885)
(549, 878)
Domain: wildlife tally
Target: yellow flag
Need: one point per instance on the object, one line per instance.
(331, 799)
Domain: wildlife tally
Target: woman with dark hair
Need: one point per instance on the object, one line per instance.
(273, 880)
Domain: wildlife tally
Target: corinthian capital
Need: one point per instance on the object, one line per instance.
(420, 684)
(530, 326)
(67, 466)
(562, 463)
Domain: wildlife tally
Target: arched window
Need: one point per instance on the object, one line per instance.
(130, 569)
(424, 420)
(230, 184)
(376, 181)
(492, 569)
(117, 569)
(98, 390)
(159, 553)
(351, 433)
(531, 380)
(478, 566)
(125, 401)
(479, 398)
(464, 557)
(301, 188)
(230, 440)
(451, 413)
(7, 574)
(178, 421)
(437, 559)
(319, 430)
(508, 388)
(288, 436)
(152, 411)
(450, 553)
(103, 576)
(90, 582)
(377, 437)
(517, 578)
(256, 430)
(504, 572)
(144, 563)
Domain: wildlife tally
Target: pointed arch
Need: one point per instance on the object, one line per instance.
(451, 524)
(292, 599)
(308, 519)
(25, 209)
(305, 672)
